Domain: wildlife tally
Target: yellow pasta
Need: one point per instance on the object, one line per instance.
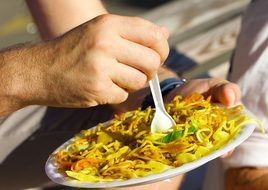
(125, 148)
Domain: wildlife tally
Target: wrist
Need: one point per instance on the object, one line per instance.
(26, 74)
(13, 82)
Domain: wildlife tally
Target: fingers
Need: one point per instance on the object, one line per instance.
(114, 95)
(145, 33)
(105, 93)
(228, 94)
(128, 78)
(107, 57)
(225, 92)
(132, 41)
(137, 56)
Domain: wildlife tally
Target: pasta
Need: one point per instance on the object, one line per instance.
(125, 148)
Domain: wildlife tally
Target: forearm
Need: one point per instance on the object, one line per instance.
(22, 71)
(56, 17)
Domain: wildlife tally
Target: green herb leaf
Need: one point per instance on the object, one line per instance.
(193, 127)
(172, 136)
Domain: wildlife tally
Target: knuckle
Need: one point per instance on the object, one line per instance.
(154, 30)
(156, 62)
(165, 51)
(93, 94)
(123, 97)
(156, 33)
(98, 89)
(141, 82)
(102, 43)
(118, 97)
(94, 66)
(104, 20)
(138, 81)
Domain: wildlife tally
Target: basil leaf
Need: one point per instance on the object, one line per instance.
(172, 136)
(193, 127)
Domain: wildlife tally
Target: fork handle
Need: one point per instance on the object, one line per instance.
(166, 86)
(156, 91)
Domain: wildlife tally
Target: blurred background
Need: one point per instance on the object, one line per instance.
(17, 26)
(203, 37)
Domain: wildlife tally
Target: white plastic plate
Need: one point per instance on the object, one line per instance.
(53, 173)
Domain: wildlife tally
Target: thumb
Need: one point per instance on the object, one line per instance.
(227, 93)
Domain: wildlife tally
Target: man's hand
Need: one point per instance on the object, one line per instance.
(102, 60)
(98, 62)
(220, 90)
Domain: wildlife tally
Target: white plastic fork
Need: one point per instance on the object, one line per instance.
(162, 121)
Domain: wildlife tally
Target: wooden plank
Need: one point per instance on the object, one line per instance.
(211, 43)
(211, 48)
(187, 18)
(209, 65)
(220, 71)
